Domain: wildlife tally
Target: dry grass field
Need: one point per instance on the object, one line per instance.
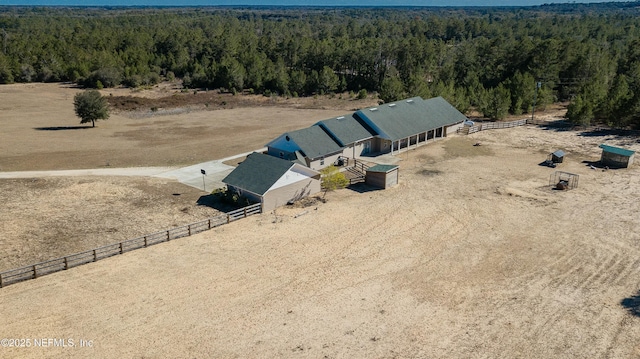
(472, 255)
(45, 218)
(40, 130)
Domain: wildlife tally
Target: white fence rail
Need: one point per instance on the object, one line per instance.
(466, 130)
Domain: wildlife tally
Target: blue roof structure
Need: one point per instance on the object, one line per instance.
(391, 121)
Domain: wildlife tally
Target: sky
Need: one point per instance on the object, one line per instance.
(292, 2)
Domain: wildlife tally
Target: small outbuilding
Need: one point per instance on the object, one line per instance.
(616, 157)
(556, 157)
(382, 176)
(272, 181)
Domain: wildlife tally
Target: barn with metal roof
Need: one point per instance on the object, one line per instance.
(616, 157)
(272, 181)
(382, 129)
(410, 122)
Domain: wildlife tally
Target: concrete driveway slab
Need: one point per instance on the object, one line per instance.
(192, 176)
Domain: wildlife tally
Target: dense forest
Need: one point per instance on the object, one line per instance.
(496, 60)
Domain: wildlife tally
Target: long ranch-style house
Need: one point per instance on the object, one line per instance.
(402, 124)
(311, 146)
(387, 128)
(348, 132)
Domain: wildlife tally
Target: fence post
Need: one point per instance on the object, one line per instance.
(145, 241)
(245, 212)
(35, 272)
(209, 223)
(189, 229)
(95, 257)
(0, 280)
(66, 263)
(228, 219)
(120, 247)
(168, 236)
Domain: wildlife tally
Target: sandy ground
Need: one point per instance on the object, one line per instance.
(40, 130)
(46, 218)
(472, 255)
(43, 217)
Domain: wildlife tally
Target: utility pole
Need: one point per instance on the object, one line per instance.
(535, 98)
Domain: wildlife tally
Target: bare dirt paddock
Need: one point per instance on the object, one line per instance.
(472, 255)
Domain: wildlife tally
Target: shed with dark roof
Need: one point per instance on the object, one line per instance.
(616, 157)
(556, 157)
(272, 181)
(382, 176)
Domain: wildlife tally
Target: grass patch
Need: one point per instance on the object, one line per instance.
(428, 172)
(465, 147)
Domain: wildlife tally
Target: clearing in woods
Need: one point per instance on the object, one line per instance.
(471, 255)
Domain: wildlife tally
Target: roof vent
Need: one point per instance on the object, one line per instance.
(287, 138)
(340, 118)
(392, 105)
(373, 109)
(409, 101)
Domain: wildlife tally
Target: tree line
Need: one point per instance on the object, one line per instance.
(490, 59)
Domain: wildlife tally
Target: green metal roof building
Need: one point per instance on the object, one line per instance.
(345, 130)
(402, 124)
(402, 119)
(309, 146)
(272, 181)
(375, 130)
(616, 157)
(382, 176)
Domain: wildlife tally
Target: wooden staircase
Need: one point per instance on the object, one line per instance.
(353, 175)
(357, 172)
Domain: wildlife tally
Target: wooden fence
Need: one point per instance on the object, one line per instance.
(55, 265)
(465, 130)
(540, 122)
